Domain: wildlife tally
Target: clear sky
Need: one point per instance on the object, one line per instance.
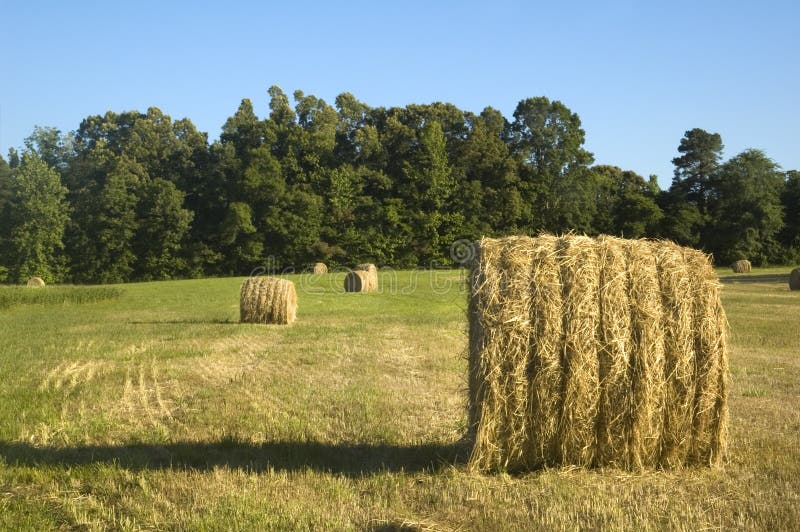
(639, 74)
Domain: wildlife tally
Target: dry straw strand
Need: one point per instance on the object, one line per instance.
(268, 300)
(614, 353)
(545, 364)
(741, 266)
(595, 352)
(579, 281)
(674, 276)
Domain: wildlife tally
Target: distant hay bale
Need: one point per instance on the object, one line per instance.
(359, 281)
(320, 268)
(794, 279)
(35, 282)
(372, 280)
(595, 352)
(268, 300)
(741, 266)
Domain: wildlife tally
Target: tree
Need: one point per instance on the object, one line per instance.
(547, 139)
(694, 170)
(51, 146)
(37, 218)
(626, 203)
(427, 188)
(113, 225)
(163, 224)
(790, 199)
(6, 195)
(748, 215)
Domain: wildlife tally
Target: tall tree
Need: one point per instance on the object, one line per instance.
(694, 169)
(38, 215)
(790, 199)
(163, 224)
(547, 139)
(626, 203)
(748, 214)
(6, 194)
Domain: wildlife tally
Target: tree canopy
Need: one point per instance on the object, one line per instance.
(138, 195)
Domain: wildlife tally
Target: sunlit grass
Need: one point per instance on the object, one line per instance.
(156, 409)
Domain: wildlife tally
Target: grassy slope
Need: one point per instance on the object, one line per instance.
(157, 410)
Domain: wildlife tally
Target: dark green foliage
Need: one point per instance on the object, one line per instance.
(626, 203)
(35, 218)
(150, 198)
(748, 215)
(790, 199)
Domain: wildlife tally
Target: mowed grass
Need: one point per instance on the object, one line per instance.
(157, 410)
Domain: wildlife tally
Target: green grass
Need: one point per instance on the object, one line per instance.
(55, 295)
(156, 410)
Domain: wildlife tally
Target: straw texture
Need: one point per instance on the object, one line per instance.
(741, 266)
(268, 300)
(595, 352)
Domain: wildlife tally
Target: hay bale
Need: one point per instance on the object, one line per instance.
(320, 268)
(372, 276)
(741, 266)
(359, 281)
(35, 282)
(268, 300)
(794, 279)
(595, 352)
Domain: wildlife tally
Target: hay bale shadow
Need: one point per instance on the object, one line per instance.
(351, 460)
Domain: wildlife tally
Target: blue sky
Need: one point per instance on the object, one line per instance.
(639, 74)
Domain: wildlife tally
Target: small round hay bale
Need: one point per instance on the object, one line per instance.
(794, 279)
(320, 268)
(595, 352)
(35, 282)
(268, 300)
(372, 271)
(358, 281)
(741, 266)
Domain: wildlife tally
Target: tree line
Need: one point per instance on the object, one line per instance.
(139, 196)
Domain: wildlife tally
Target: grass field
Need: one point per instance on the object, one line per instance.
(156, 410)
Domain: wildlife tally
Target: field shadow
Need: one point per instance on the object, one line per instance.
(345, 459)
(187, 321)
(749, 279)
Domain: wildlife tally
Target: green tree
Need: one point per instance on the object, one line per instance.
(6, 194)
(695, 168)
(427, 189)
(547, 139)
(626, 203)
(163, 224)
(749, 215)
(37, 218)
(113, 225)
(790, 199)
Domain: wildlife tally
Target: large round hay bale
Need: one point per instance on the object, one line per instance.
(267, 300)
(359, 281)
(372, 276)
(595, 352)
(794, 279)
(741, 266)
(35, 282)
(320, 268)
